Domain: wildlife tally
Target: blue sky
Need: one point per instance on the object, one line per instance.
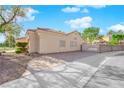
(68, 18)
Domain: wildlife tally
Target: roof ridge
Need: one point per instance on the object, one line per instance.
(52, 30)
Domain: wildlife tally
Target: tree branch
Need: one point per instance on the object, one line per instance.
(11, 19)
(2, 18)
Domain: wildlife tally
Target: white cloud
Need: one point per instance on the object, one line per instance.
(97, 6)
(93, 6)
(116, 27)
(83, 22)
(71, 9)
(85, 10)
(29, 15)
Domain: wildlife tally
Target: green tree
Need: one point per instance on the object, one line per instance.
(100, 37)
(8, 22)
(90, 34)
(120, 32)
(10, 15)
(111, 32)
(10, 41)
(12, 34)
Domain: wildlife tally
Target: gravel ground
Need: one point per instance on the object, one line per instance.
(12, 66)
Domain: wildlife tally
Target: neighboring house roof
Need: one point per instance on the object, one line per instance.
(50, 30)
(104, 39)
(23, 39)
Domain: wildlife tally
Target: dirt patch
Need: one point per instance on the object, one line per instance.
(12, 66)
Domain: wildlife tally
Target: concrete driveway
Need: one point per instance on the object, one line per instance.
(96, 70)
(93, 59)
(109, 75)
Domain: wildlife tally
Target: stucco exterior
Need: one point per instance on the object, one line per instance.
(46, 41)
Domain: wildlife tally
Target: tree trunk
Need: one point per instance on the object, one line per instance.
(5, 44)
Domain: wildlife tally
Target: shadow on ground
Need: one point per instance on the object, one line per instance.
(67, 75)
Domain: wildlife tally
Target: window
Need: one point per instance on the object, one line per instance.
(62, 43)
(75, 38)
(73, 44)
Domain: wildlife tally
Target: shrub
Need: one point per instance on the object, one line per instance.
(21, 44)
(21, 47)
(18, 50)
(114, 42)
(116, 38)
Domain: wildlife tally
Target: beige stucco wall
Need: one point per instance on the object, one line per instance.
(33, 42)
(48, 42)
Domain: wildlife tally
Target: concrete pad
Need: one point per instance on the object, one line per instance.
(117, 61)
(26, 82)
(68, 75)
(84, 72)
(110, 75)
(101, 82)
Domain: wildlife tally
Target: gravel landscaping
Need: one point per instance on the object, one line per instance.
(12, 67)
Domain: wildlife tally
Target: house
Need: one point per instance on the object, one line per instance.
(107, 38)
(104, 40)
(44, 40)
